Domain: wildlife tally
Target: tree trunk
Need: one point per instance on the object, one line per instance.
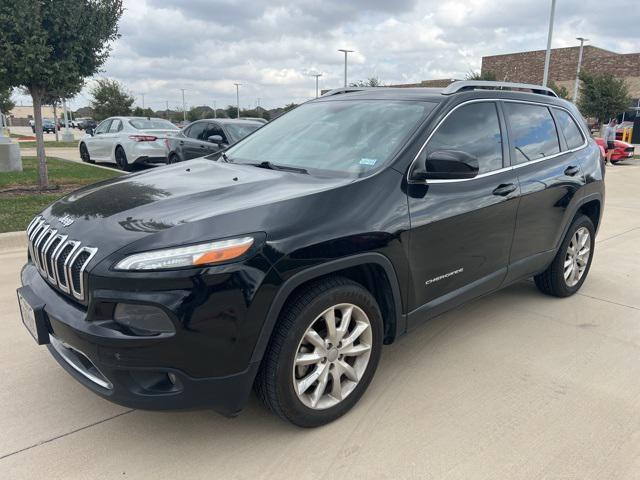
(43, 176)
(55, 120)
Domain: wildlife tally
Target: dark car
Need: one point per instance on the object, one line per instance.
(286, 264)
(204, 137)
(48, 126)
(87, 124)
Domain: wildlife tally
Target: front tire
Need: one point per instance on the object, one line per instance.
(570, 267)
(84, 154)
(173, 158)
(323, 353)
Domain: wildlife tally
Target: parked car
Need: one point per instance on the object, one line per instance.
(204, 137)
(287, 263)
(86, 123)
(127, 140)
(255, 119)
(622, 151)
(48, 125)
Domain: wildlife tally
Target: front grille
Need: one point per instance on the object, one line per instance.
(59, 260)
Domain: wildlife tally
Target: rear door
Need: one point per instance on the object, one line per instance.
(110, 138)
(461, 230)
(550, 176)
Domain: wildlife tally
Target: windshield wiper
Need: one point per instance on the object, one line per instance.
(272, 166)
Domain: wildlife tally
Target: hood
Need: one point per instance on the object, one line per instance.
(191, 196)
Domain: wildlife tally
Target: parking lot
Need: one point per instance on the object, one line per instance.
(514, 385)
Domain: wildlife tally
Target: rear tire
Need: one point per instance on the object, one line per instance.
(121, 160)
(311, 373)
(570, 267)
(173, 158)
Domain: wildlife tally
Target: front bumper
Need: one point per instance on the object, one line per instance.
(152, 372)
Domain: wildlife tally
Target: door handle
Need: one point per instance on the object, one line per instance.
(181, 142)
(571, 171)
(202, 146)
(504, 189)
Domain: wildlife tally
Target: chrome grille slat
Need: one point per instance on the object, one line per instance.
(60, 261)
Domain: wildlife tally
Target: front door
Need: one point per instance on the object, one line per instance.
(97, 143)
(461, 230)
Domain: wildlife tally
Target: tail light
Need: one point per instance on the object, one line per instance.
(143, 138)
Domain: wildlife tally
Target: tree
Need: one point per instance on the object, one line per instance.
(232, 111)
(561, 91)
(143, 112)
(6, 102)
(369, 82)
(110, 99)
(602, 96)
(487, 75)
(290, 106)
(52, 46)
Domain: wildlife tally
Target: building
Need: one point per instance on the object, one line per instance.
(528, 67)
(21, 114)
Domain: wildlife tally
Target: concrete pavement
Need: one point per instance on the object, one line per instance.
(515, 385)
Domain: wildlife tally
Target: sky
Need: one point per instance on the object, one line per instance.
(272, 47)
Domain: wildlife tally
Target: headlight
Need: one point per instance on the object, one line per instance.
(191, 256)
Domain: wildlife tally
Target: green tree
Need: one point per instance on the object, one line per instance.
(561, 91)
(110, 99)
(52, 46)
(144, 112)
(487, 75)
(369, 82)
(290, 106)
(6, 102)
(602, 96)
(231, 111)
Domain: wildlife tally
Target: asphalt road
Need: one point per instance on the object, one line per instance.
(512, 386)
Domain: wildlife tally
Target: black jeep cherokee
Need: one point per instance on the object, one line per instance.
(286, 262)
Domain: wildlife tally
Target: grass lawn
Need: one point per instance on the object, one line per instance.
(50, 144)
(17, 210)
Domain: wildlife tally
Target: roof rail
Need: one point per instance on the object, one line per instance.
(337, 91)
(465, 85)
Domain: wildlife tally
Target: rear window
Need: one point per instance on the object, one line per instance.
(152, 124)
(569, 129)
(533, 131)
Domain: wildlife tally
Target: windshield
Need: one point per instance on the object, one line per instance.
(337, 136)
(239, 131)
(152, 124)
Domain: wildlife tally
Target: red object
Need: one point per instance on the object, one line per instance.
(622, 151)
(143, 138)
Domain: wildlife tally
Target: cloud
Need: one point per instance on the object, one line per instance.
(272, 46)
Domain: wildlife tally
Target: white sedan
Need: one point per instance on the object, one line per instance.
(127, 140)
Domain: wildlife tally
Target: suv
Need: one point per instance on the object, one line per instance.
(204, 137)
(287, 261)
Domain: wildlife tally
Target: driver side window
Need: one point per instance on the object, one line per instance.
(104, 126)
(475, 130)
(214, 129)
(195, 130)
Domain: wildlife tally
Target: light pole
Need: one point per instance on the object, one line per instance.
(345, 61)
(215, 113)
(66, 136)
(317, 75)
(184, 108)
(575, 88)
(238, 99)
(142, 94)
(547, 57)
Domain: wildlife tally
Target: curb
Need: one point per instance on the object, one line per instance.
(13, 241)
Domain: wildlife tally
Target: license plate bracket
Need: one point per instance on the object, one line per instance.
(33, 315)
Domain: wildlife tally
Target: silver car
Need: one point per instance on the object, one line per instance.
(127, 140)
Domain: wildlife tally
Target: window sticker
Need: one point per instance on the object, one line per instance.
(368, 161)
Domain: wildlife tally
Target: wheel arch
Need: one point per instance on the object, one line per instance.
(373, 271)
(591, 206)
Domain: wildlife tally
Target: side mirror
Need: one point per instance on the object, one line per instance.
(445, 165)
(215, 139)
(90, 131)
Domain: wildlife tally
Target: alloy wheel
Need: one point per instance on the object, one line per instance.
(332, 356)
(577, 256)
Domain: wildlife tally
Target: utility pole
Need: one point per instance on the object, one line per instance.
(575, 88)
(66, 136)
(166, 109)
(238, 99)
(345, 61)
(547, 58)
(142, 93)
(184, 108)
(215, 110)
(318, 75)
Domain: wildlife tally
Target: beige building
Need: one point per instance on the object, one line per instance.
(21, 114)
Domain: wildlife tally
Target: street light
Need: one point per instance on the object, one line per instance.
(547, 58)
(575, 88)
(238, 99)
(184, 108)
(345, 61)
(317, 75)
